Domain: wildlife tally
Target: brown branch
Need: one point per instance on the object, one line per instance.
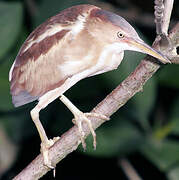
(117, 98)
(168, 6)
(162, 13)
(170, 43)
(159, 11)
(174, 41)
(128, 169)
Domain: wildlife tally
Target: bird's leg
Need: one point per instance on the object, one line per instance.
(80, 117)
(45, 142)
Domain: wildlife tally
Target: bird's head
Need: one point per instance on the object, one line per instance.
(113, 29)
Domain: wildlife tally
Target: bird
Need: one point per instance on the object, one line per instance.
(79, 42)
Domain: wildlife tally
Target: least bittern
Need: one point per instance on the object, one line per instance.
(79, 42)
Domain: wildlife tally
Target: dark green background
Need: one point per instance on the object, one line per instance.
(145, 131)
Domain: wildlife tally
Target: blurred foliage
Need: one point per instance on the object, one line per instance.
(167, 74)
(11, 13)
(147, 124)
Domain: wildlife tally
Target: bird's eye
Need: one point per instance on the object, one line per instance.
(120, 35)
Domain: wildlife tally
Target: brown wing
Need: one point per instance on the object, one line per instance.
(34, 72)
(38, 67)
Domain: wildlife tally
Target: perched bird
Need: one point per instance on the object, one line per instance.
(79, 42)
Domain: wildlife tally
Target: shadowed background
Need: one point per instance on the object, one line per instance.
(144, 132)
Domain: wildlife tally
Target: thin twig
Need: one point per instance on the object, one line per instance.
(129, 171)
(31, 7)
(159, 8)
(174, 39)
(162, 14)
(168, 4)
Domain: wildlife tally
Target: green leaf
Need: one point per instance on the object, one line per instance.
(143, 102)
(10, 24)
(5, 97)
(164, 154)
(168, 76)
(174, 117)
(18, 124)
(6, 102)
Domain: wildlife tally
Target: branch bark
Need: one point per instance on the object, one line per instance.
(159, 11)
(70, 140)
(168, 6)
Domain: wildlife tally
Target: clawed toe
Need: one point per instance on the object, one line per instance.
(80, 117)
(83, 117)
(45, 146)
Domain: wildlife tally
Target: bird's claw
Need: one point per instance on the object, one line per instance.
(45, 146)
(83, 117)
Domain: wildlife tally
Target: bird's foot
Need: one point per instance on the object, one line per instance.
(83, 117)
(45, 146)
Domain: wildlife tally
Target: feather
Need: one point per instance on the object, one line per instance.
(36, 68)
(23, 98)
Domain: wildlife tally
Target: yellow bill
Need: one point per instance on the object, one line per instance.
(143, 47)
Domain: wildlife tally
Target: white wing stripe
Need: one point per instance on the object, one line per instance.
(75, 29)
(10, 72)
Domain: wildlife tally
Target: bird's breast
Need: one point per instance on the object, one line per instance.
(109, 59)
